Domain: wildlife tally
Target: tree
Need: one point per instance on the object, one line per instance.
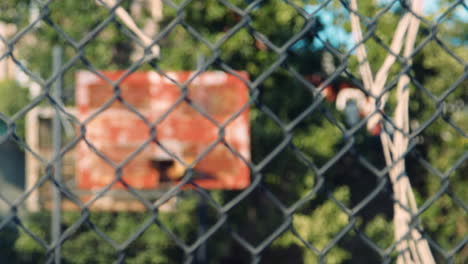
(12, 98)
(297, 171)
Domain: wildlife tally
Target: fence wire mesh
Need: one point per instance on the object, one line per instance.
(320, 190)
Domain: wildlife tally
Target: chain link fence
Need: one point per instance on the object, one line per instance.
(357, 131)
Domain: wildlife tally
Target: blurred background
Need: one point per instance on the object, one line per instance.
(328, 170)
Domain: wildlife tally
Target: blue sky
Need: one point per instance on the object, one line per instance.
(336, 35)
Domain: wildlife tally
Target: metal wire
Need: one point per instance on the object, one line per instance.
(196, 251)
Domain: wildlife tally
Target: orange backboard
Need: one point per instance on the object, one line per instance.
(117, 133)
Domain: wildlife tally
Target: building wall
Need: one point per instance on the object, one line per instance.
(7, 66)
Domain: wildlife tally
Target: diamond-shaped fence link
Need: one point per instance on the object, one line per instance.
(351, 118)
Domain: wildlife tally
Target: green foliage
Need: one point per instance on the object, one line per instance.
(287, 176)
(13, 10)
(330, 220)
(13, 98)
(380, 230)
(8, 236)
(85, 246)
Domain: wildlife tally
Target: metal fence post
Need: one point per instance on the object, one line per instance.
(57, 142)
